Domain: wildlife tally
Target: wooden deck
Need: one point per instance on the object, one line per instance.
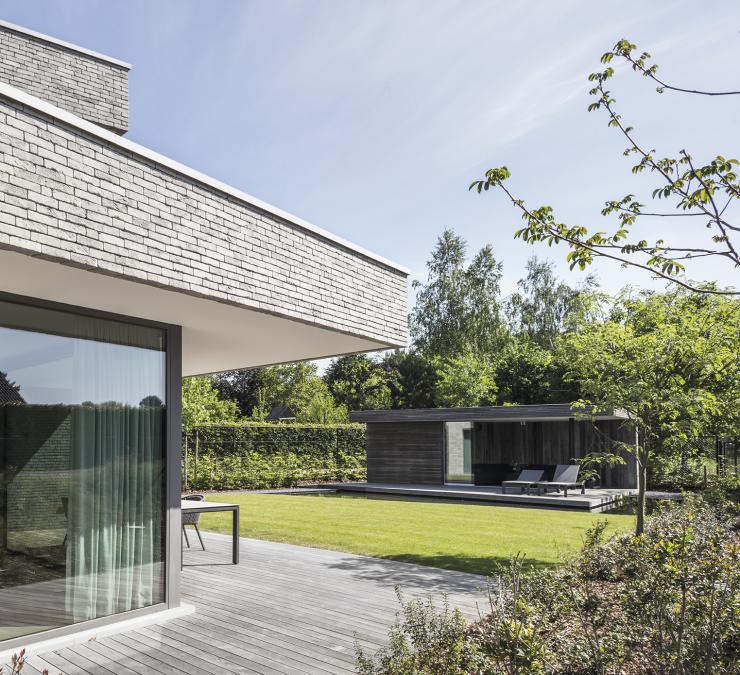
(593, 499)
(284, 609)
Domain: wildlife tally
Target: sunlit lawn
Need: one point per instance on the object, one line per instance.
(466, 537)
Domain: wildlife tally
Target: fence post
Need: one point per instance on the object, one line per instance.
(195, 468)
(719, 455)
(185, 476)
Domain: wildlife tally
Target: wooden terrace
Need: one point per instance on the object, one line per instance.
(593, 499)
(283, 609)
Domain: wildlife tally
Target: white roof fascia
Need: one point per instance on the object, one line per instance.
(67, 45)
(73, 120)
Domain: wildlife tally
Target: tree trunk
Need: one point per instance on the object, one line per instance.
(642, 455)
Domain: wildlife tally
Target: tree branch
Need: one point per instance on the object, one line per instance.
(660, 215)
(651, 74)
(573, 242)
(649, 161)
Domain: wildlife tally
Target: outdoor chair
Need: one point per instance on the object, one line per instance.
(192, 519)
(566, 477)
(525, 480)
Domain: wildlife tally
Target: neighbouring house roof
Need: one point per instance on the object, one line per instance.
(546, 412)
(281, 412)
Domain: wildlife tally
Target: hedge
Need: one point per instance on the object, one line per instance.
(261, 456)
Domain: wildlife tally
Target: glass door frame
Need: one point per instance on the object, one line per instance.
(172, 469)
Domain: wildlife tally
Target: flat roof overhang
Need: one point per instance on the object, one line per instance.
(550, 412)
(134, 233)
(216, 335)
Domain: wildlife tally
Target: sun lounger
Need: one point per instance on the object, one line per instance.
(565, 478)
(525, 480)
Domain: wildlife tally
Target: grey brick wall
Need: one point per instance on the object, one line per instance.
(81, 200)
(92, 88)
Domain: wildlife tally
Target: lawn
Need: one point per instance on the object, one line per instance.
(466, 537)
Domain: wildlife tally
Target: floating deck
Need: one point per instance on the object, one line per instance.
(594, 499)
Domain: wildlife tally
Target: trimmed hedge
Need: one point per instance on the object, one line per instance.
(260, 456)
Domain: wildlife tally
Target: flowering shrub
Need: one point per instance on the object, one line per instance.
(18, 663)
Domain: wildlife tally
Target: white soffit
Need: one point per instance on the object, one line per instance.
(216, 336)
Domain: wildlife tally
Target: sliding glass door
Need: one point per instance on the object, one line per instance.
(458, 452)
(82, 414)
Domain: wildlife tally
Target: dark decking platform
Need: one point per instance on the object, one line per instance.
(284, 609)
(593, 499)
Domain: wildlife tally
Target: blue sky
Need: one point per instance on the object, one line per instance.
(371, 118)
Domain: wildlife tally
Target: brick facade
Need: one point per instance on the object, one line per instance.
(79, 199)
(96, 89)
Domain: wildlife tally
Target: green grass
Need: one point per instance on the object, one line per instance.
(466, 537)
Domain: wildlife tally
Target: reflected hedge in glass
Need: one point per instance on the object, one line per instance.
(82, 410)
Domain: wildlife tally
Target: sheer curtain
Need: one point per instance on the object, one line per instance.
(115, 511)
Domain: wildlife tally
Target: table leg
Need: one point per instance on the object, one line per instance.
(235, 535)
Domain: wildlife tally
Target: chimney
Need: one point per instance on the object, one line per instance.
(83, 82)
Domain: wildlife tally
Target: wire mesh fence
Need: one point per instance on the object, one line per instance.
(692, 464)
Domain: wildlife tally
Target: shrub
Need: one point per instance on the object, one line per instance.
(682, 596)
(261, 456)
(18, 663)
(723, 490)
(422, 640)
(511, 637)
(667, 601)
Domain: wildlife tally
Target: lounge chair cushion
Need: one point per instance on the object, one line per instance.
(565, 474)
(526, 477)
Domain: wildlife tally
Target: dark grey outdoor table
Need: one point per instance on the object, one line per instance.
(212, 507)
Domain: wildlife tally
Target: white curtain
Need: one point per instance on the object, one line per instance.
(115, 513)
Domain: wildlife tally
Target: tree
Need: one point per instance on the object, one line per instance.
(291, 384)
(464, 381)
(411, 379)
(201, 404)
(358, 383)
(321, 408)
(525, 375)
(240, 386)
(544, 307)
(298, 386)
(10, 391)
(457, 309)
(669, 360)
(700, 191)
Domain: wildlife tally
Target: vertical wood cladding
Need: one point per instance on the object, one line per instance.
(405, 452)
(554, 443)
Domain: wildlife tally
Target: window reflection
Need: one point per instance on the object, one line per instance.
(82, 409)
(459, 452)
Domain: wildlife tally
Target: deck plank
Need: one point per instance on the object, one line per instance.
(285, 609)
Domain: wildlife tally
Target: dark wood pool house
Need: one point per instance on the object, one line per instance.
(487, 445)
